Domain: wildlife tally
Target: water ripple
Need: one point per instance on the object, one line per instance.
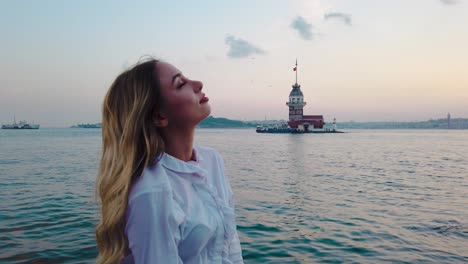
(362, 197)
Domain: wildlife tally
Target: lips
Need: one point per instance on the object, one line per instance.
(204, 99)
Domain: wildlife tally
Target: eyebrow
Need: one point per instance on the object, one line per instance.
(175, 76)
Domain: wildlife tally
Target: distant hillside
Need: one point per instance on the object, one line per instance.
(88, 125)
(455, 123)
(219, 122)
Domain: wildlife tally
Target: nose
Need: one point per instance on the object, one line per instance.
(197, 86)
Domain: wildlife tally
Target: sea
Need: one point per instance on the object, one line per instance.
(366, 196)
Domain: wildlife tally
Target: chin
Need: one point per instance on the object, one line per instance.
(203, 114)
(207, 111)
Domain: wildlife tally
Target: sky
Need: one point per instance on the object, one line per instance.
(360, 60)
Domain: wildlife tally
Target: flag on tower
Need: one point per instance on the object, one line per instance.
(295, 68)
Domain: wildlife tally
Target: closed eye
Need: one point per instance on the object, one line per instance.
(182, 81)
(180, 85)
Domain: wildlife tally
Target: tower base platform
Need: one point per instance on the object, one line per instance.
(295, 131)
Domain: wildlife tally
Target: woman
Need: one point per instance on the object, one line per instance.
(162, 200)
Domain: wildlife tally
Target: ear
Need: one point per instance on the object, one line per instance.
(160, 119)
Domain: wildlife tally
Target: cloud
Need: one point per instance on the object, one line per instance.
(449, 2)
(304, 28)
(239, 48)
(343, 17)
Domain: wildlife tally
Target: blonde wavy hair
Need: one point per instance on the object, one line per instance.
(130, 142)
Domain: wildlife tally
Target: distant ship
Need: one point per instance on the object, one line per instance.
(97, 125)
(298, 122)
(20, 125)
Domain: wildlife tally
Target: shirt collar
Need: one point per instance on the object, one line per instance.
(175, 164)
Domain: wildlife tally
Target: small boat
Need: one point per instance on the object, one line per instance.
(275, 128)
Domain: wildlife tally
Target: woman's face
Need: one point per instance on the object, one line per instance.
(183, 102)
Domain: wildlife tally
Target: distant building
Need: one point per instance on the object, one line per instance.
(296, 103)
(298, 122)
(448, 121)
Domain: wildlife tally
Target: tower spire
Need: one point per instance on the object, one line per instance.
(296, 70)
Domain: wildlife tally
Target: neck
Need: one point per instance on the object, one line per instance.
(179, 142)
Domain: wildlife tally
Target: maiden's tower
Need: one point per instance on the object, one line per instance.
(298, 122)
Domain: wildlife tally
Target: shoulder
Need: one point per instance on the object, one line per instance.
(213, 162)
(209, 153)
(153, 179)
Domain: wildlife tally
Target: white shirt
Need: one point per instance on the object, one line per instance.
(183, 212)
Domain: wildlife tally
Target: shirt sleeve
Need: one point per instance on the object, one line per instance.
(235, 250)
(152, 228)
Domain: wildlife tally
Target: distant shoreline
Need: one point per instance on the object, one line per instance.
(220, 122)
(455, 123)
